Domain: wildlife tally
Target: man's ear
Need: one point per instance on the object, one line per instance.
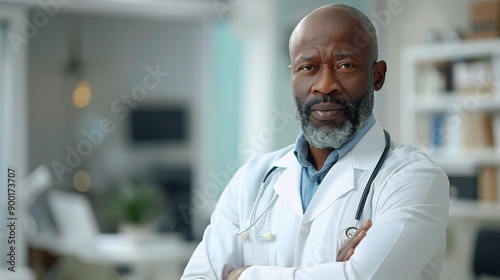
(379, 70)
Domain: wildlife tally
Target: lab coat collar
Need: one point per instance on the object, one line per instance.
(366, 154)
(338, 181)
(288, 183)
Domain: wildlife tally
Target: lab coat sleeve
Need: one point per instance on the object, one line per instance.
(409, 229)
(220, 250)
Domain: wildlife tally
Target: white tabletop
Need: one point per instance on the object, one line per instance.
(115, 249)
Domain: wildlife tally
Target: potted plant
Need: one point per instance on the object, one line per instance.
(136, 207)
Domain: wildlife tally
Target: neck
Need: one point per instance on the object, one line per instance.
(317, 157)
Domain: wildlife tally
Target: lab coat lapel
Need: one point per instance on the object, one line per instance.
(340, 179)
(288, 183)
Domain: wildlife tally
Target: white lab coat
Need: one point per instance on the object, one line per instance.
(408, 204)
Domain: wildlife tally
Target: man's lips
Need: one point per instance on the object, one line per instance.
(326, 112)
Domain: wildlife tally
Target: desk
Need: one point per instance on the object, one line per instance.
(466, 217)
(160, 257)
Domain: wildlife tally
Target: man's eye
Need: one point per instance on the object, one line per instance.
(307, 67)
(346, 65)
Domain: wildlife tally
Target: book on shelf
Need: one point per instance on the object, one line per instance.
(488, 183)
(435, 78)
(461, 126)
(483, 185)
(437, 130)
(473, 85)
(473, 79)
(463, 186)
(477, 131)
(496, 131)
(457, 134)
(484, 19)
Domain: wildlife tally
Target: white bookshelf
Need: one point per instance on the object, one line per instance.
(419, 107)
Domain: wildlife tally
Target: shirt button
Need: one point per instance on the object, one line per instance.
(304, 230)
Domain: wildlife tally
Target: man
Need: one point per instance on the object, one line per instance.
(289, 227)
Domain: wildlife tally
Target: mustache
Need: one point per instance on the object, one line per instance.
(306, 107)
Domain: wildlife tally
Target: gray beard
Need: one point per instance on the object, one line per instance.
(333, 138)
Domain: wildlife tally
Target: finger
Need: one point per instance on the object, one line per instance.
(354, 241)
(366, 226)
(235, 274)
(357, 239)
(349, 254)
(351, 244)
(347, 243)
(343, 251)
(341, 256)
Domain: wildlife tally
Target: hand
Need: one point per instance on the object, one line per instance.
(235, 274)
(345, 253)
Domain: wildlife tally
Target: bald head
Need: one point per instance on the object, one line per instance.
(343, 16)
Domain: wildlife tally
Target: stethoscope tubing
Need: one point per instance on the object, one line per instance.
(381, 160)
(254, 207)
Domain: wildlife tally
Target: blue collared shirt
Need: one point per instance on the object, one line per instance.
(310, 177)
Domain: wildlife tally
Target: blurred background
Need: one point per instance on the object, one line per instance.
(123, 120)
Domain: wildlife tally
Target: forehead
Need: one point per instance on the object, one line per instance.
(328, 31)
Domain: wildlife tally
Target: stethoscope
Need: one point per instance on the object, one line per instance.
(345, 235)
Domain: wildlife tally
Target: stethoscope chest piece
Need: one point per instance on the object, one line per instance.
(346, 234)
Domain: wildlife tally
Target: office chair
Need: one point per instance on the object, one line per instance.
(487, 253)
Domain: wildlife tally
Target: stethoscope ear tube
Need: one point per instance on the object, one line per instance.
(246, 232)
(269, 173)
(372, 177)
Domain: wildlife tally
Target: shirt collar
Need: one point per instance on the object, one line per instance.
(301, 149)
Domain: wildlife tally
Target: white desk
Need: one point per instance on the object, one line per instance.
(466, 217)
(154, 259)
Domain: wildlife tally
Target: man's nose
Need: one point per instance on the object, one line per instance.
(326, 82)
